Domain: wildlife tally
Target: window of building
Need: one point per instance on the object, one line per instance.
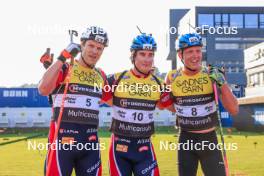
(204, 44)
(261, 78)
(206, 19)
(254, 39)
(261, 20)
(251, 78)
(225, 20)
(228, 38)
(256, 79)
(246, 45)
(236, 20)
(221, 20)
(228, 70)
(218, 20)
(226, 46)
(251, 20)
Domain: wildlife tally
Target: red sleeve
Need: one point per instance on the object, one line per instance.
(166, 99)
(107, 92)
(107, 95)
(62, 74)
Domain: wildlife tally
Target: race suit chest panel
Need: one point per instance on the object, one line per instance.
(193, 98)
(83, 95)
(134, 102)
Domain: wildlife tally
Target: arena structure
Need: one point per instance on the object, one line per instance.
(25, 107)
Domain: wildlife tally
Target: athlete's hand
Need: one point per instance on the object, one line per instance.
(70, 52)
(217, 75)
(46, 59)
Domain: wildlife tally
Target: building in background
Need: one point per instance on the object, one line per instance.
(23, 107)
(226, 33)
(254, 66)
(251, 111)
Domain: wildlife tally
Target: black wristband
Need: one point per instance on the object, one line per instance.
(62, 59)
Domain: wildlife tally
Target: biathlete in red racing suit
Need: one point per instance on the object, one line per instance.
(77, 145)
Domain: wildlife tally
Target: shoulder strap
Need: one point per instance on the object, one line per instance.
(178, 73)
(101, 73)
(119, 79)
(156, 79)
(159, 83)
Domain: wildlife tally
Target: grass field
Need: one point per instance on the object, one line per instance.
(248, 159)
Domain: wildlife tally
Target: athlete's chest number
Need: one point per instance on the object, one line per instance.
(138, 116)
(194, 111)
(88, 102)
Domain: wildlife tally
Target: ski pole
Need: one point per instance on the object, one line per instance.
(72, 33)
(221, 130)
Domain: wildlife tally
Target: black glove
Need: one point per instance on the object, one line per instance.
(217, 75)
(46, 59)
(70, 52)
